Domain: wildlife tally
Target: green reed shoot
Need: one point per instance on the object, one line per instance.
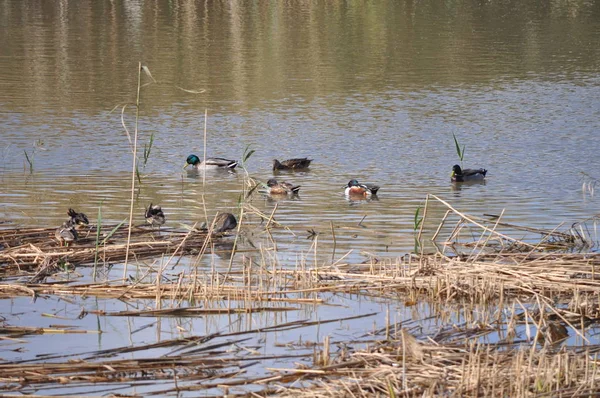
(148, 149)
(29, 158)
(416, 224)
(254, 188)
(247, 153)
(390, 387)
(30, 161)
(460, 152)
(245, 156)
(98, 228)
(138, 174)
(112, 232)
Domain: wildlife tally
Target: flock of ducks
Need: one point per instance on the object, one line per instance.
(67, 232)
(223, 222)
(353, 189)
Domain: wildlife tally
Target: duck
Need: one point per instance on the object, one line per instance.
(224, 222)
(77, 219)
(460, 175)
(354, 188)
(291, 164)
(281, 188)
(154, 215)
(210, 163)
(67, 233)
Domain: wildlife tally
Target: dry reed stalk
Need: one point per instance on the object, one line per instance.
(472, 221)
(133, 168)
(253, 210)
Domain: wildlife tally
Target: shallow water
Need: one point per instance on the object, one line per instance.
(372, 91)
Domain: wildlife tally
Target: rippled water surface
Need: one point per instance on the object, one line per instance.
(369, 90)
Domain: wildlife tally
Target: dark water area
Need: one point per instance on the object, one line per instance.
(368, 90)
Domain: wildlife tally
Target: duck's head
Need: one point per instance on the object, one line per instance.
(153, 210)
(353, 183)
(456, 170)
(193, 160)
(78, 218)
(271, 182)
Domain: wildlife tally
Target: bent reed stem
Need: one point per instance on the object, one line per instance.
(133, 168)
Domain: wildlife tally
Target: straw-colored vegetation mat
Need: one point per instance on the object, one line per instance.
(518, 300)
(36, 249)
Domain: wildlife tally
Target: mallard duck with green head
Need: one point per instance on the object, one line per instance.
(356, 189)
(210, 163)
(281, 188)
(463, 175)
(291, 164)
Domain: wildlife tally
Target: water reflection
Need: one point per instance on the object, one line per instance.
(210, 173)
(459, 186)
(360, 199)
(277, 198)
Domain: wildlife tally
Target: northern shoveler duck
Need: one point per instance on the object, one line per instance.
(354, 188)
(154, 215)
(291, 164)
(78, 219)
(210, 163)
(281, 188)
(224, 222)
(460, 175)
(66, 233)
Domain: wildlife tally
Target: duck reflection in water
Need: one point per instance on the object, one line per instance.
(457, 187)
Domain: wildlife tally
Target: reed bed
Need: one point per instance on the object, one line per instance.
(407, 366)
(34, 249)
(469, 264)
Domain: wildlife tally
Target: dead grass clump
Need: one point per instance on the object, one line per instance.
(405, 366)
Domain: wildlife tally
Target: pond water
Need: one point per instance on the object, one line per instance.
(368, 90)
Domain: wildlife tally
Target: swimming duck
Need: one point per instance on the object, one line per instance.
(154, 215)
(281, 188)
(291, 164)
(78, 219)
(224, 222)
(354, 188)
(66, 233)
(460, 175)
(210, 163)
